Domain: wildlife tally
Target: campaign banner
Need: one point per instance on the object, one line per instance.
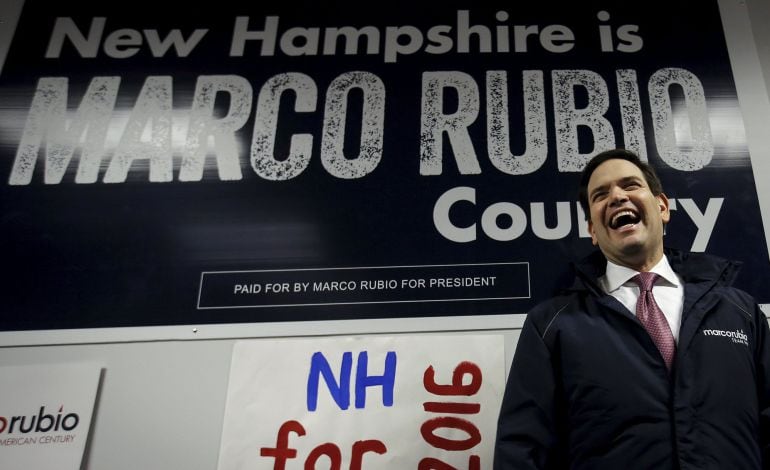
(45, 415)
(371, 402)
(301, 161)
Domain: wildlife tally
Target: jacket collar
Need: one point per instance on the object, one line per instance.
(700, 273)
(692, 267)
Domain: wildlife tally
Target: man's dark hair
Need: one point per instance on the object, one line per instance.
(616, 154)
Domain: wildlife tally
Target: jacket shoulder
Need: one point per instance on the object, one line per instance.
(543, 315)
(738, 298)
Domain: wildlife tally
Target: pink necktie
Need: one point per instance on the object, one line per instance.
(652, 317)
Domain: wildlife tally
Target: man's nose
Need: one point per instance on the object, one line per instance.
(618, 195)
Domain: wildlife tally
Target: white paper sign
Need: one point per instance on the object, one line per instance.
(45, 415)
(363, 403)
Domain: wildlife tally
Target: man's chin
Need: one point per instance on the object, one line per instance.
(627, 254)
(632, 248)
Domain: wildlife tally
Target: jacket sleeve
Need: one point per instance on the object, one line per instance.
(763, 384)
(527, 429)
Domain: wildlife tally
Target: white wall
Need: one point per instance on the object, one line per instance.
(162, 402)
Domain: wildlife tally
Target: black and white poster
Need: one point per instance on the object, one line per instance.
(296, 161)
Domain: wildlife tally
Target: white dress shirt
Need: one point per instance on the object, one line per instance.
(668, 290)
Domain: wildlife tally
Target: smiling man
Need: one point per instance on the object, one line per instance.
(626, 215)
(650, 361)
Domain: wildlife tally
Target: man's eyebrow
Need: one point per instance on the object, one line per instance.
(631, 179)
(598, 189)
(624, 180)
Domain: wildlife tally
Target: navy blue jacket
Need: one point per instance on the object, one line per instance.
(588, 389)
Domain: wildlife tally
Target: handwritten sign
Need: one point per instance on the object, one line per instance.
(425, 402)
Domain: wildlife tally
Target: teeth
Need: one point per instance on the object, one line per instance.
(617, 216)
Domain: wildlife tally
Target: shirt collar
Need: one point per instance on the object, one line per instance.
(617, 275)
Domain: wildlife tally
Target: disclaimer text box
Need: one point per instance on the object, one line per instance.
(364, 285)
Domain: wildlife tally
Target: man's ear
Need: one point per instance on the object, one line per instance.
(592, 232)
(665, 213)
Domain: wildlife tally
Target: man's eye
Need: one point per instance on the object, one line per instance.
(599, 196)
(633, 186)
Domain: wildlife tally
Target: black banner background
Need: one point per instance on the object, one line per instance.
(133, 253)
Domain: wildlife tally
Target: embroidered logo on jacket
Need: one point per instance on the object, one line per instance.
(736, 336)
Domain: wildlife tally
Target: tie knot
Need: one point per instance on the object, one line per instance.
(645, 281)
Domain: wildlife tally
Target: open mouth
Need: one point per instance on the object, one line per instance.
(624, 218)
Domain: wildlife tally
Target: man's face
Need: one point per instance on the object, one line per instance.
(626, 219)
